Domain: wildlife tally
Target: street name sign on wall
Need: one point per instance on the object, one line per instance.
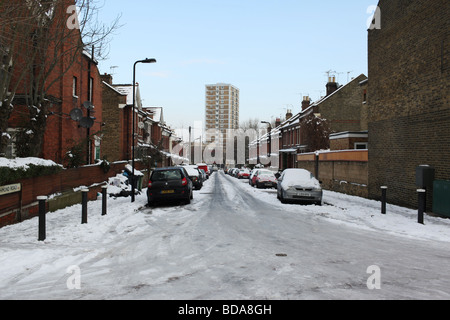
(12, 188)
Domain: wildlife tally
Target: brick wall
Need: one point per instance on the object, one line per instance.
(409, 110)
(345, 143)
(345, 172)
(398, 146)
(57, 183)
(113, 140)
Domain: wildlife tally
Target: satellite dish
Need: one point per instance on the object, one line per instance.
(76, 114)
(87, 122)
(88, 105)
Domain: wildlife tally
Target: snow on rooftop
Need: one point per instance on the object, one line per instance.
(157, 113)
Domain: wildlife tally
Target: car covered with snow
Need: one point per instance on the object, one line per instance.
(243, 174)
(195, 175)
(299, 185)
(253, 173)
(264, 179)
(205, 168)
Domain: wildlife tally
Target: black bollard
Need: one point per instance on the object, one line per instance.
(422, 201)
(104, 195)
(84, 197)
(42, 225)
(383, 199)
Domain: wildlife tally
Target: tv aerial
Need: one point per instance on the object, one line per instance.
(76, 114)
(87, 122)
(88, 105)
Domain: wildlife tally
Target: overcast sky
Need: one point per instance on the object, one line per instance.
(275, 52)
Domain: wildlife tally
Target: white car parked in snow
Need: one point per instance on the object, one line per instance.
(299, 185)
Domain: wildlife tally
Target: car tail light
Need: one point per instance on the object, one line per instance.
(149, 184)
(184, 182)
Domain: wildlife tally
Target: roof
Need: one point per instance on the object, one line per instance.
(308, 110)
(127, 89)
(112, 88)
(157, 113)
(88, 55)
(336, 91)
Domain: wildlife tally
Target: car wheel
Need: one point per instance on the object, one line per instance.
(282, 197)
(188, 200)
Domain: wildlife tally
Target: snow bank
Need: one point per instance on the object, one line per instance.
(118, 184)
(136, 172)
(25, 163)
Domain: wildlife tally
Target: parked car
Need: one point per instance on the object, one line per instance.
(299, 185)
(204, 167)
(195, 176)
(203, 173)
(243, 174)
(251, 180)
(265, 179)
(168, 184)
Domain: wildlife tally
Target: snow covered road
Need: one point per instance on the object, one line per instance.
(232, 242)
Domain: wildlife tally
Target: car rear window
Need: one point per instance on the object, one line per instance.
(166, 175)
(267, 174)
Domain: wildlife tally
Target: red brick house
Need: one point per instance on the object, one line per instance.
(69, 83)
(157, 134)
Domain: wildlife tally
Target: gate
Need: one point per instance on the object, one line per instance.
(441, 197)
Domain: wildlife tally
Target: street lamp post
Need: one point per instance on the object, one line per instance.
(133, 188)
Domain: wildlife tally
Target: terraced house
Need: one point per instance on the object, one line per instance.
(53, 105)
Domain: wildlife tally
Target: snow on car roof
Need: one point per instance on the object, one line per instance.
(299, 177)
(192, 171)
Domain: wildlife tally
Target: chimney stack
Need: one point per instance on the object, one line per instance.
(306, 103)
(289, 114)
(332, 85)
(107, 78)
(277, 122)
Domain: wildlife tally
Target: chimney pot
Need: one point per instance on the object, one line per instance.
(332, 86)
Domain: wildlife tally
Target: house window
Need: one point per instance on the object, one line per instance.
(97, 146)
(75, 87)
(365, 95)
(91, 89)
(361, 145)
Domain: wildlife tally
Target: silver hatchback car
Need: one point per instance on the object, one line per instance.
(299, 185)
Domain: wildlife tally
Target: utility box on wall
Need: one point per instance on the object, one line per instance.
(441, 198)
(424, 176)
